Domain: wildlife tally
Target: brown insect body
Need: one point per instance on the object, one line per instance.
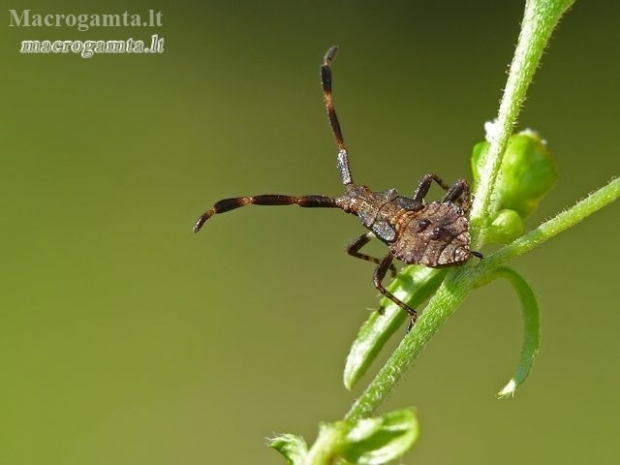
(434, 234)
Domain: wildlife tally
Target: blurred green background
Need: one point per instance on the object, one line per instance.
(125, 339)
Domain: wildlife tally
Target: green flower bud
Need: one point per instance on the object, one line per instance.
(506, 226)
(527, 173)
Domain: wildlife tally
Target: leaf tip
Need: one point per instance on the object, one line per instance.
(508, 390)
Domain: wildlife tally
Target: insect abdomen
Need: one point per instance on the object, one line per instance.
(435, 236)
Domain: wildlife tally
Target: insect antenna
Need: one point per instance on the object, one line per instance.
(226, 205)
(326, 80)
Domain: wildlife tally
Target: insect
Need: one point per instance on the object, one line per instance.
(433, 234)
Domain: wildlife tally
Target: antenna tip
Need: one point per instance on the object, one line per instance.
(330, 54)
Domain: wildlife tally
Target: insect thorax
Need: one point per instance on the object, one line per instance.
(376, 210)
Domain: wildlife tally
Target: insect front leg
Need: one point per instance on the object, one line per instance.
(459, 192)
(425, 185)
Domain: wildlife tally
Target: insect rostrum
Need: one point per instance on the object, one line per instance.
(434, 234)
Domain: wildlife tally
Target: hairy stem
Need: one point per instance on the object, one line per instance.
(539, 20)
(584, 208)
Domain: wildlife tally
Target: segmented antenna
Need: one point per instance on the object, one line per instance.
(326, 79)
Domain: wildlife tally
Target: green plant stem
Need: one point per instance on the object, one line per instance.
(323, 451)
(539, 20)
(582, 209)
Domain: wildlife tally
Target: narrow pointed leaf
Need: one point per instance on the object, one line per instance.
(375, 441)
(291, 446)
(531, 327)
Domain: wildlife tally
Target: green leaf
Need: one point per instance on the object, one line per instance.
(414, 285)
(531, 326)
(375, 441)
(291, 446)
(368, 441)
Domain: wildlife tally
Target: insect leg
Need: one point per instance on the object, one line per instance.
(377, 279)
(425, 185)
(225, 205)
(354, 247)
(460, 191)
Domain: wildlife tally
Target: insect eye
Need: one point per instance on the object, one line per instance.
(437, 233)
(423, 224)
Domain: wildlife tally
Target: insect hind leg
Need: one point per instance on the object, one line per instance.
(377, 279)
